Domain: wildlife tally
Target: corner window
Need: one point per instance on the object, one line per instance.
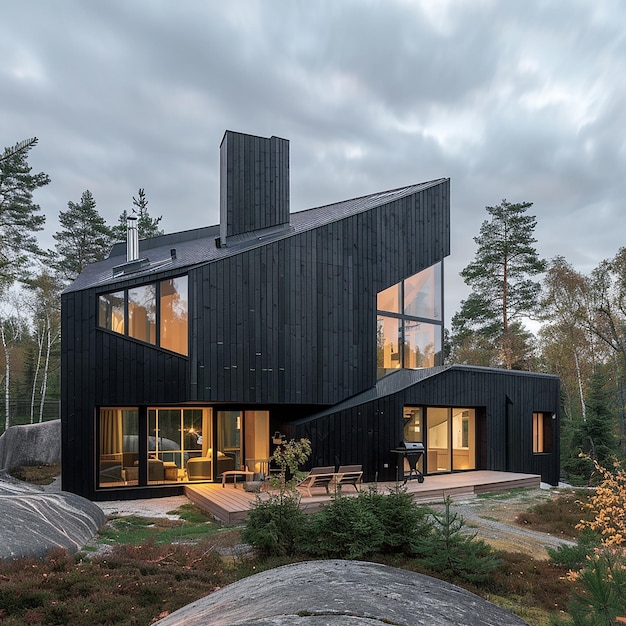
(156, 313)
(409, 323)
(542, 433)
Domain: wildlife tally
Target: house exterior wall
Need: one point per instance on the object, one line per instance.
(294, 321)
(366, 433)
(291, 322)
(105, 369)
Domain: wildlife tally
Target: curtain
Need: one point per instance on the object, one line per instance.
(110, 431)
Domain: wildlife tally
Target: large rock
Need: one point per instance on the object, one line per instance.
(354, 593)
(33, 521)
(31, 444)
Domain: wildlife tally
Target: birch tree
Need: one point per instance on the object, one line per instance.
(11, 332)
(44, 301)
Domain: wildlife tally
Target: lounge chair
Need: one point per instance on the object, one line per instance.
(317, 477)
(348, 475)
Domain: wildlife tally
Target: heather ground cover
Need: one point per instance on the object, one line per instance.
(139, 569)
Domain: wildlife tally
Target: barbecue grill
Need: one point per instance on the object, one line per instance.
(412, 451)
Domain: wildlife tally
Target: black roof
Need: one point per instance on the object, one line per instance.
(401, 379)
(198, 246)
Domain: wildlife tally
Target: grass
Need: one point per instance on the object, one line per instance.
(36, 474)
(139, 569)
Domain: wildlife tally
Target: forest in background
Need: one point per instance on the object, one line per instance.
(582, 335)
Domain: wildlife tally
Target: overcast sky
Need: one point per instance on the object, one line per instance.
(516, 99)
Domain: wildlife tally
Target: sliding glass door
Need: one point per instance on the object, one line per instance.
(448, 435)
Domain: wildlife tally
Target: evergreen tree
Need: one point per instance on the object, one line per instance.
(19, 215)
(597, 432)
(451, 551)
(146, 226)
(83, 239)
(503, 291)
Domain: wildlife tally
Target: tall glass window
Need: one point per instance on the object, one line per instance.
(422, 294)
(173, 318)
(438, 439)
(118, 445)
(142, 313)
(388, 343)
(409, 323)
(111, 311)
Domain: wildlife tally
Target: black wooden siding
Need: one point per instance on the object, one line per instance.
(102, 368)
(254, 183)
(294, 321)
(365, 434)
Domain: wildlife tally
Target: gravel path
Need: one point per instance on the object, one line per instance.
(505, 535)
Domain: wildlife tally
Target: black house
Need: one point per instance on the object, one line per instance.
(187, 355)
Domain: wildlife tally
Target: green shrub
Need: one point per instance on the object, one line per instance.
(275, 525)
(345, 528)
(371, 523)
(451, 551)
(404, 523)
(574, 557)
(603, 595)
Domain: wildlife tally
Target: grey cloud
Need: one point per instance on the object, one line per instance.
(508, 99)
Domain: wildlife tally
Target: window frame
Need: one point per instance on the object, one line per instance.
(101, 313)
(542, 435)
(404, 319)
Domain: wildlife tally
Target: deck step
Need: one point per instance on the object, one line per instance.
(231, 505)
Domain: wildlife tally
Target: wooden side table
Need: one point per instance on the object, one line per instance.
(234, 474)
(170, 471)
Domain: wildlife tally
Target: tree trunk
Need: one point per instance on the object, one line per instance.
(583, 408)
(7, 364)
(36, 376)
(44, 383)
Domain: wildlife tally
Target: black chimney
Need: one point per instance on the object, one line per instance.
(254, 184)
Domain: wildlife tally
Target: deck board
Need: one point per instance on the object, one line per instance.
(231, 505)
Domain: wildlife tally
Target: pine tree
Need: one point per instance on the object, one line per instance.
(84, 238)
(597, 432)
(19, 215)
(451, 551)
(146, 226)
(503, 291)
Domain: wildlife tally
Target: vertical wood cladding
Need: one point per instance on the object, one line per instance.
(254, 183)
(294, 321)
(101, 368)
(365, 433)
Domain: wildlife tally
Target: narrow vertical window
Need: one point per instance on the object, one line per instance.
(542, 433)
(173, 315)
(142, 313)
(111, 311)
(388, 344)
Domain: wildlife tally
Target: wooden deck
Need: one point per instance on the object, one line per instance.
(231, 505)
